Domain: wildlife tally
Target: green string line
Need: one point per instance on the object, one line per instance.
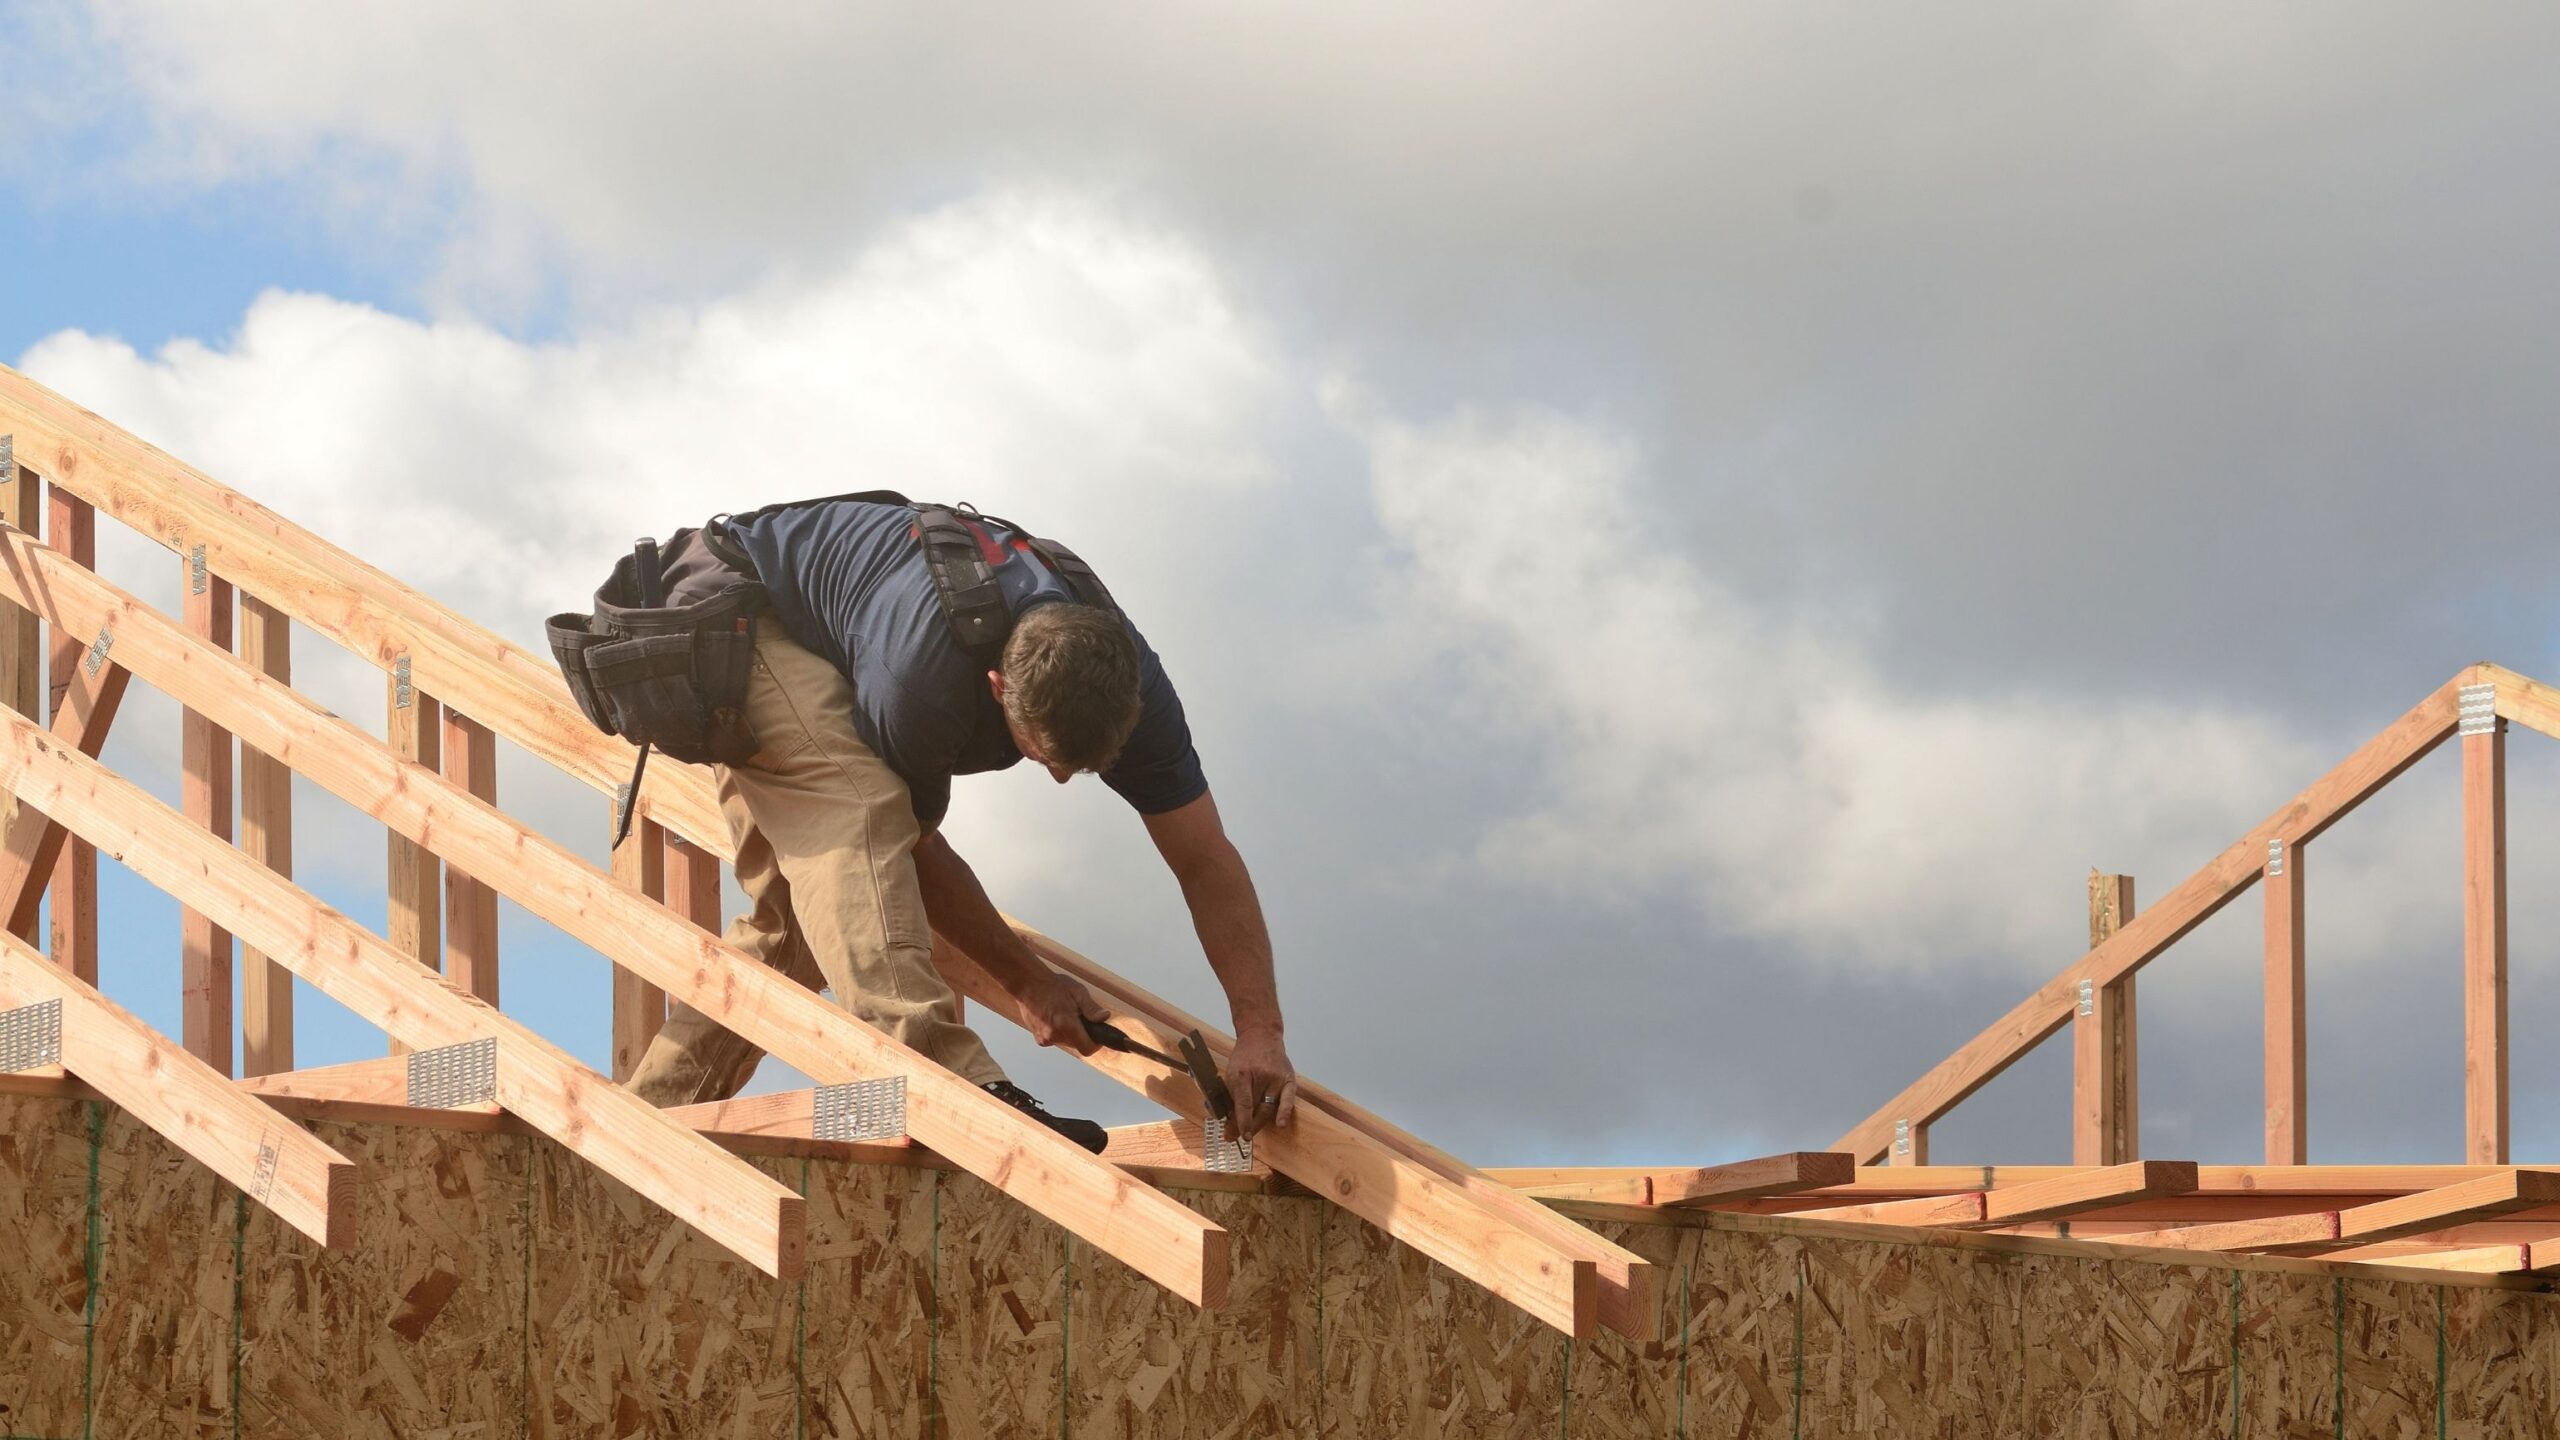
(239, 1270)
(1796, 1429)
(2338, 1333)
(2440, 1390)
(800, 1328)
(1066, 1333)
(933, 1318)
(2235, 1355)
(96, 1266)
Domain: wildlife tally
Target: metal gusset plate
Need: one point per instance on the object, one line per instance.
(1220, 1155)
(862, 1110)
(31, 1036)
(2478, 714)
(454, 1075)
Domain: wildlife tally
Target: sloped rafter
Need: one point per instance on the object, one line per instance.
(274, 1161)
(731, 1202)
(1150, 1232)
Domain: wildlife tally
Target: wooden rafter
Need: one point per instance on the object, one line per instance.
(275, 1162)
(727, 1200)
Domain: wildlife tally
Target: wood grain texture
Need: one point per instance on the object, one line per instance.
(2288, 1091)
(206, 797)
(2105, 1085)
(470, 757)
(2484, 946)
(71, 528)
(639, 1008)
(266, 836)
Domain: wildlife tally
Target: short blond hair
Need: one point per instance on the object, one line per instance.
(1071, 682)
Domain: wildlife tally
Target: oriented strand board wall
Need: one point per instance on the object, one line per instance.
(500, 1289)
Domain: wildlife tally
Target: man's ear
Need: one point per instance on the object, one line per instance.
(995, 683)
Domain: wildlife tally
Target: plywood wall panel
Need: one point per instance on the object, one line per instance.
(44, 1290)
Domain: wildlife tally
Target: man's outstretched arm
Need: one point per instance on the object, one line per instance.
(1053, 1005)
(1228, 916)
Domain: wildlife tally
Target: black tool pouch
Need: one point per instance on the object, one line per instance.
(671, 675)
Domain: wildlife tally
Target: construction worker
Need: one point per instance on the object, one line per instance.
(904, 645)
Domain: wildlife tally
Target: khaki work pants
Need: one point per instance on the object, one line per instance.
(826, 853)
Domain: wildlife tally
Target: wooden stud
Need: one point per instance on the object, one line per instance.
(31, 851)
(266, 836)
(277, 1163)
(2196, 899)
(2288, 1093)
(205, 947)
(1116, 1213)
(470, 908)
(1749, 1179)
(737, 1206)
(71, 528)
(692, 877)
(2105, 1091)
(639, 1008)
(22, 653)
(2484, 945)
(413, 918)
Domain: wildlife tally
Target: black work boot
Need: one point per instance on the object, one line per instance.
(1083, 1132)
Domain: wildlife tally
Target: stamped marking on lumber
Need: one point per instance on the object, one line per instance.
(452, 1075)
(31, 1036)
(262, 1178)
(2275, 858)
(2478, 709)
(402, 692)
(862, 1110)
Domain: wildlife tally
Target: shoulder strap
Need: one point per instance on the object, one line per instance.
(965, 582)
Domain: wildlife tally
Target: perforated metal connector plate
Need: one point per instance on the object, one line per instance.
(8, 459)
(452, 1075)
(2088, 997)
(1222, 1156)
(862, 1110)
(1901, 1137)
(2275, 858)
(2479, 710)
(31, 1036)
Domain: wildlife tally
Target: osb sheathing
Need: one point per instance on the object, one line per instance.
(499, 1288)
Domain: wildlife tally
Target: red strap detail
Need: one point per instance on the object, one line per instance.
(988, 550)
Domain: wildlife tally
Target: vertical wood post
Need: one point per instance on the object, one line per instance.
(414, 920)
(205, 948)
(2484, 928)
(266, 833)
(639, 1008)
(2105, 1073)
(71, 527)
(2288, 1123)
(1910, 1143)
(471, 908)
(22, 655)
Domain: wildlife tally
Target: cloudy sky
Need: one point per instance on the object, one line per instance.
(1684, 531)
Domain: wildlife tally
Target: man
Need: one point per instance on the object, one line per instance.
(864, 702)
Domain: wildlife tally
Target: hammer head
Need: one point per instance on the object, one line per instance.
(1204, 1072)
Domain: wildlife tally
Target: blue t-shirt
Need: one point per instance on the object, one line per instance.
(849, 582)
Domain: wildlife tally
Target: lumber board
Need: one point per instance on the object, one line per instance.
(413, 908)
(1965, 1208)
(205, 794)
(1152, 1234)
(2521, 698)
(2094, 1189)
(2263, 1233)
(273, 1161)
(1750, 1179)
(266, 836)
(383, 1080)
(639, 1008)
(22, 657)
(34, 842)
(2105, 1088)
(2484, 946)
(470, 754)
(2467, 1259)
(1390, 1190)
(1626, 1280)
(729, 1201)
(2502, 1193)
(1632, 1190)
(2196, 899)
(2288, 1091)
(71, 527)
(1166, 1145)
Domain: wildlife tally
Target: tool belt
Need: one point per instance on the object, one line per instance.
(664, 658)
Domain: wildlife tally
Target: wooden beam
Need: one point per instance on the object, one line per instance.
(22, 654)
(1633, 1190)
(1321, 1151)
(266, 836)
(2090, 1190)
(692, 882)
(1625, 1280)
(205, 1015)
(71, 528)
(34, 842)
(2288, 1094)
(383, 1080)
(1154, 1235)
(413, 916)
(1929, 1210)
(2265, 1233)
(783, 1112)
(2466, 1260)
(2502, 1193)
(730, 1202)
(338, 595)
(2104, 1098)
(2196, 899)
(639, 1008)
(1749, 1179)
(470, 753)
(277, 1163)
(2484, 944)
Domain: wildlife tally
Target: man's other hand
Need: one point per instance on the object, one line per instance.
(1055, 1010)
(1263, 1084)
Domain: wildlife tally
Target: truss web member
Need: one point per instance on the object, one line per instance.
(888, 647)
